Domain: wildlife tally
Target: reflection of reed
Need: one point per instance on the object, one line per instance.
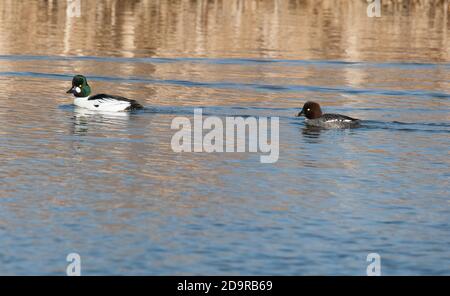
(301, 29)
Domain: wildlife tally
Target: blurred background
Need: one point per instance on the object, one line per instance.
(407, 30)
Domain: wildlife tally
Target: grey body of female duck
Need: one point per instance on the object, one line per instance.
(314, 117)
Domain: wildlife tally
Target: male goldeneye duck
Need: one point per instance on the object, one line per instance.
(101, 102)
(314, 117)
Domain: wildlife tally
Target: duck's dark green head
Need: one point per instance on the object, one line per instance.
(80, 87)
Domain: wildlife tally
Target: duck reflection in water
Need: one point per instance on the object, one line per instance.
(312, 133)
(83, 118)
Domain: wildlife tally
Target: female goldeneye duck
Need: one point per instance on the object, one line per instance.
(101, 102)
(314, 117)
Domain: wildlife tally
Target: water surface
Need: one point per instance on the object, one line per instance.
(110, 187)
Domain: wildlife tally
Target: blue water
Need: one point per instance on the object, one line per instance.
(111, 189)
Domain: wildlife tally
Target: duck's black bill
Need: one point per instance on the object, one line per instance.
(71, 91)
(300, 114)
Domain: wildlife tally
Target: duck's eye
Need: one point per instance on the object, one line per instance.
(308, 109)
(78, 90)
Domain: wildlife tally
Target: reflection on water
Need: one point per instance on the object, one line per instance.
(83, 118)
(312, 133)
(109, 186)
(306, 29)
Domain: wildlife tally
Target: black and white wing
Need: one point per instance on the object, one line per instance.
(338, 118)
(110, 102)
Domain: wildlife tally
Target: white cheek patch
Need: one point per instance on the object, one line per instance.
(77, 89)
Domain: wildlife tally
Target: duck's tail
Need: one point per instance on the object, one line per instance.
(134, 106)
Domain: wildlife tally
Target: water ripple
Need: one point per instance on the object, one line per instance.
(242, 86)
(227, 61)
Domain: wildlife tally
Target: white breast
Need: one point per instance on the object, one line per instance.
(103, 104)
